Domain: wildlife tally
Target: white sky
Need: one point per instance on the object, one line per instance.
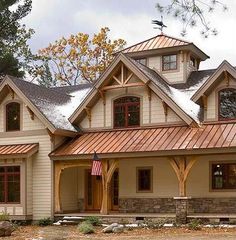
(127, 19)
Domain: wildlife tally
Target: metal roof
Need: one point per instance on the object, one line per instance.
(159, 41)
(150, 140)
(18, 149)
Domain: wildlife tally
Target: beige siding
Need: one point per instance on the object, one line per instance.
(29, 186)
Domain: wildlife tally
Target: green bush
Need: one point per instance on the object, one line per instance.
(95, 221)
(45, 222)
(4, 216)
(86, 227)
(194, 224)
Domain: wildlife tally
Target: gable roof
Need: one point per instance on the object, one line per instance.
(224, 66)
(52, 106)
(161, 42)
(184, 107)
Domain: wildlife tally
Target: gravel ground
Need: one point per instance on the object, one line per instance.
(72, 233)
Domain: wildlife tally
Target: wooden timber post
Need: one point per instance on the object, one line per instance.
(107, 172)
(58, 170)
(182, 169)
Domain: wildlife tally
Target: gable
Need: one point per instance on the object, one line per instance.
(28, 121)
(225, 71)
(123, 74)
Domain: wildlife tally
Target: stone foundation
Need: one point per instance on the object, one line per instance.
(146, 205)
(212, 205)
(181, 204)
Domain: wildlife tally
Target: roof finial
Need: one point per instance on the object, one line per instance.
(159, 23)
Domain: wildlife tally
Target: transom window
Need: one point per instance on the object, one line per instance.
(144, 179)
(224, 176)
(10, 184)
(169, 62)
(227, 104)
(13, 116)
(127, 112)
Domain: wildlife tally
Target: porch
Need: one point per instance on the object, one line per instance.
(190, 171)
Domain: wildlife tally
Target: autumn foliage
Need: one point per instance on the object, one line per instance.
(80, 58)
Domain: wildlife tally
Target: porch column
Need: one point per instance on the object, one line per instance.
(107, 172)
(58, 170)
(182, 169)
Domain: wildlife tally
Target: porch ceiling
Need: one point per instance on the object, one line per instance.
(18, 150)
(158, 140)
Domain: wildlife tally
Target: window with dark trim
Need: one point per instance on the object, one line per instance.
(13, 116)
(10, 184)
(169, 62)
(127, 112)
(192, 61)
(227, 104)
(223, 176)
(144, 179)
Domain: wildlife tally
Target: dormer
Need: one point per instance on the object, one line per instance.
(174, 58)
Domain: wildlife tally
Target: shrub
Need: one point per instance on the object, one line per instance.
(86, 227)
(95, 221)
(4, 216)
(194, 224)
(45, 222)
(154, 224)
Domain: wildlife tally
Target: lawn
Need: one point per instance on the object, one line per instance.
(72, 233)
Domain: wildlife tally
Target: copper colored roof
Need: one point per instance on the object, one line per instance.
(210, 136)
(159, 41)
(22, 150)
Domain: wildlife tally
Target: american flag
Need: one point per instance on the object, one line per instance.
(97, 165)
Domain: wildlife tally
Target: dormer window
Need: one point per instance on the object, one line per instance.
(142, 61)
(192, 61)
(127, 112)
(227, 104)
(12, 116)
(169, 62)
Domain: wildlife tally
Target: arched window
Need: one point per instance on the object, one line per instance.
(13, 116)
(127, 112)
(227, 104)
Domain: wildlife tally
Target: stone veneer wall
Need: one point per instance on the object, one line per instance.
(212, 205)
(147, 205)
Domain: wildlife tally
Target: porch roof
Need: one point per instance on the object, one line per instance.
(18, 150)
(165, 140)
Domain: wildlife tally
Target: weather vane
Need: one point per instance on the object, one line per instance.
(160, 24)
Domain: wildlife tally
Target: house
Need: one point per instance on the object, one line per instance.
(164, 130)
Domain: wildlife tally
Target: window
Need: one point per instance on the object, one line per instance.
(227, 104)
(144, 179)
(13, 116)
(10, 184)
(127, 112)
(169, 62)
(142, 61)
(224, 176)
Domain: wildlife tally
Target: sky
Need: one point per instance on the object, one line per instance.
(130, 20)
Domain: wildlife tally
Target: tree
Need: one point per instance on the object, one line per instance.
(79, 57)
(193, 13)
(14, 50)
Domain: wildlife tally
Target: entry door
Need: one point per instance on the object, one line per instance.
(93, 192)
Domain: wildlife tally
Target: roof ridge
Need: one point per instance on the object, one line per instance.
(179, 39)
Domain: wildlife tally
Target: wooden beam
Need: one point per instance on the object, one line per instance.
(57, 182)
(128, 78)
(107, 173)
(11, 92)
(226, 74)
(88, 112)
(122, 73)
(204, 98)
(51, 135)
(103, 96)
(182, 169)
(123, 86)
(31, 113)
(117, 80)
(165, 107)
